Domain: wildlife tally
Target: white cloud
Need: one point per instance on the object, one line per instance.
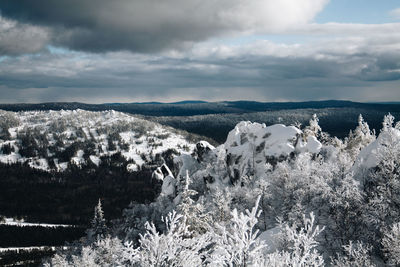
(343, 29)
(395, 13)
(268, 16)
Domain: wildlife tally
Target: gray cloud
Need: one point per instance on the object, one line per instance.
(19, 38)
(154, 25)
(348, 68)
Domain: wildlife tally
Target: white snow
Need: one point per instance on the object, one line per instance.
(368, 156)
(131, 167)
(40, 164)
(78, 159)
(13, 222)
(96, 160)
(17, 249)
(61, 166)
(206, 144)
(13, 132)
(312, 145)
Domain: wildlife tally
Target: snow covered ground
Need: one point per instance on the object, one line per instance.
(18, 249)
(13, 222)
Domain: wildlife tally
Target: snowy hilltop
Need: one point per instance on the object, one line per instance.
(269, 196)
(54, 140)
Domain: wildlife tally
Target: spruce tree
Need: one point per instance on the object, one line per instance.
(98, 226)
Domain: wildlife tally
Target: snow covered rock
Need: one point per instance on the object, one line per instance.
(249, 150)
(168, 186)
(274, 140)
(249, 146)
(161, 172)
(203, 149)
(157, 175)
(369, 156)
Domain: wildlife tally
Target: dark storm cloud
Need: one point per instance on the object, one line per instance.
(153, 25)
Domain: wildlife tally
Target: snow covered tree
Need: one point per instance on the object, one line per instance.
(237, 244)
(194, 214)
(388, 122)
(391, 244)
(360, 138)
(343, 207)
(103, 252)
(382, 183)
(57, 260)
(300, 243)
(171, 248)
(282, 190)
(313, 129)
(357, 255)
(220, 204)
(98, 225)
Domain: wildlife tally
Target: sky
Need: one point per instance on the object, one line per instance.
(172, 50)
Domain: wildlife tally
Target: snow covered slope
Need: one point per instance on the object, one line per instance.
(54, 140)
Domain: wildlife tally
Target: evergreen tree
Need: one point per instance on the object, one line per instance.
(313, 129)
(194, 214)
(391, 244)
(360, 138)
(98, 228)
